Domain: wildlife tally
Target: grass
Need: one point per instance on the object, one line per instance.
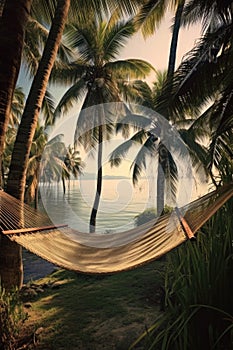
(96, 312)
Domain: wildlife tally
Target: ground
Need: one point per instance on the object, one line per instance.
(80, 312)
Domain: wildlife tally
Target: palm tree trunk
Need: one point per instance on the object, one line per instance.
(12, 28)
(99, 182)
(63, 185)
(162, 162)
(174, 41)
(17, 175)
(160, 190)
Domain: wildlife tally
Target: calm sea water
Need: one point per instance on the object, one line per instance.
(120, 203)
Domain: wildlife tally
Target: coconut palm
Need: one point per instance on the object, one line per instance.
(46, 162)
(149, 136)
(149, 18)
(21, 152)
(95, 76)
(12, 38)
(15, 115)
(73, 163)
(204, 80)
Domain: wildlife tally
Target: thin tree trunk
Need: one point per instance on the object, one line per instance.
(99, 182)
(17, 175)
(63, 185)
(160, 190)
(161, 178)
(12, 29)
(174, 41)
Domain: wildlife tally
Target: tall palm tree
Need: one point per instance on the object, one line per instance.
(204, 79)
(12, 28)
(95, 76)
(15, 115)
(149, 18)
(154, 144)
(20, 156)
(17, 13)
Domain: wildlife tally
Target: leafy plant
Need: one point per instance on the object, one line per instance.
(198, 305)
(12, 317)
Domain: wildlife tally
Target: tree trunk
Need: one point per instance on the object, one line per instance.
(99, 182)
(63, 184)
(12, 28)
(18, 168)
(174, 41)
(160, 190)
(17, 176)
(162, 163)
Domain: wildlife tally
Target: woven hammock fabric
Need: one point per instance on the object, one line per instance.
(108, 253)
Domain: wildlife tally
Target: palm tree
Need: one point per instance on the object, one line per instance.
(154, 144)
(17, 14)
(47, 158)
(20, 156)
(73, 163)
(12, 28)
(204, 79)
(95, 76)
(15, 115)
(149, 17)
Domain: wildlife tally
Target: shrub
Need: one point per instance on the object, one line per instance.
(198, 285)
(12, 318)
(145, 216)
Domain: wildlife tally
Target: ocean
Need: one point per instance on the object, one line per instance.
(120, 202)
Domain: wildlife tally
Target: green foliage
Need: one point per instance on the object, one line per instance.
(145, 216)
(198, 302)
(150, 214)
(12, 317)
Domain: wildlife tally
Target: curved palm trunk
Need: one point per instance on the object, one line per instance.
(17, 176)
(12, 28)
(20, 156)
(99, 182)
(174, 41)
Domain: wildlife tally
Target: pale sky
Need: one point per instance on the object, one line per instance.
(155, 49)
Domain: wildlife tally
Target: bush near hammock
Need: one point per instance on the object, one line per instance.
(150, 214)
(198, 284)
(12, 318)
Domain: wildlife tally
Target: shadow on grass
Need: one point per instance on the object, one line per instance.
(97, 312)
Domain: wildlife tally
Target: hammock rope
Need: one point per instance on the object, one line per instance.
(105, 253)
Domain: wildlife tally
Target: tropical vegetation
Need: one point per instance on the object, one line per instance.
(77, 44)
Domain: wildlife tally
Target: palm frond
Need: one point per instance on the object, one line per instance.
(139, 162)
(130, 68)
(74, 94)
(68, 73)
(115, 37)
(150, 16)
(48, 107)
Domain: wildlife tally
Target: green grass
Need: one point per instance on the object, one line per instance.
(96, 312)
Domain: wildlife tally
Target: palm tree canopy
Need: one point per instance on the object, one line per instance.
(96, 74)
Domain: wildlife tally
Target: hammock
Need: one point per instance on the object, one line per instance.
(105, 253)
